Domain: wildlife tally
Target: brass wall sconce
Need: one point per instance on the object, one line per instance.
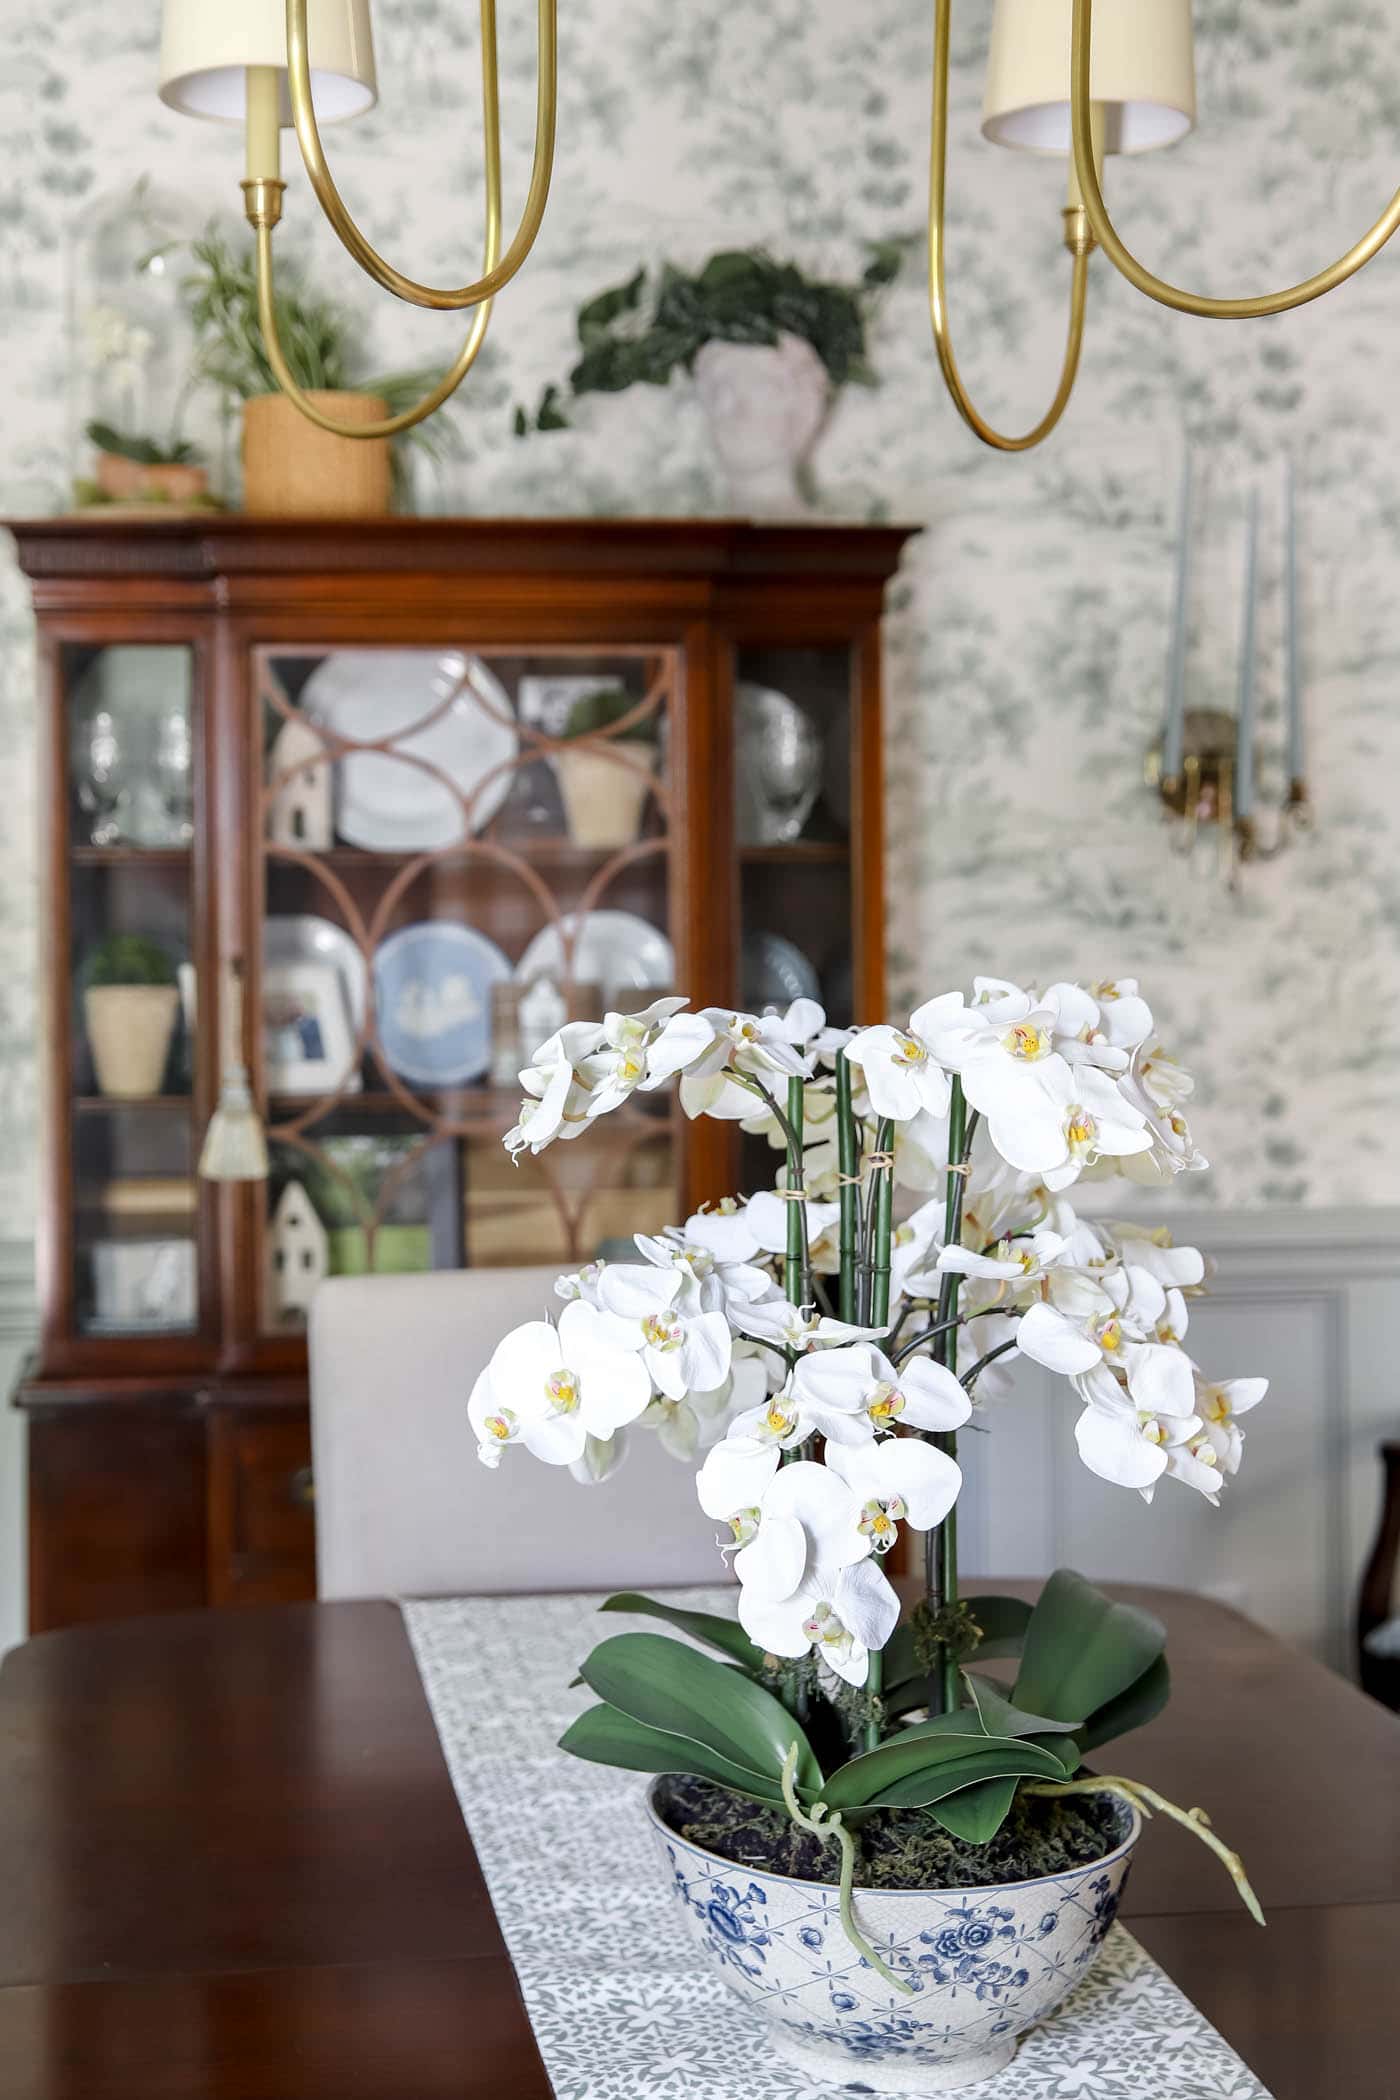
(1205, 764)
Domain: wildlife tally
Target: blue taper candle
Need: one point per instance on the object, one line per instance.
(1174, 723)
(1293, 670)
(1244, 744)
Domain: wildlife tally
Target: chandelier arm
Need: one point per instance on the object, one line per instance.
(1122, 258)
(498, 271)
(937, 291)
(264, 203)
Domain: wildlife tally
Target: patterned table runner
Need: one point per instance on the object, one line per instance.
(620, 2006)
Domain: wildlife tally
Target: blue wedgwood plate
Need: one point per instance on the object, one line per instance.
(432, 990)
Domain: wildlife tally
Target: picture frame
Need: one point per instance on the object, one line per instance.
(308, 1038)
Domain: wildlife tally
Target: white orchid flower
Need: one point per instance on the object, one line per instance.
(1123, 1443)
(1060, 1122)
(737, 1232)
(704, 1046)
(1088, 1319)
(601, 1458)
(860, 1384)
(1172, 1149)
(1101, 1026)
(1218, 1406)
(905, 1073)
(552, 1388)
(787, 1326)
(789, 1416)
(900, 1479)
(1127, 1447)
(1005, 1040)
(913, 1242)
(1021, 1260)
(1179, 1268)
(921, 1153)
(842, 1613)
(643, 1309)
(708, 1284)
(804, 1531)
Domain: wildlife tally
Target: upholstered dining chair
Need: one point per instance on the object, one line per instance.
(403, 1505)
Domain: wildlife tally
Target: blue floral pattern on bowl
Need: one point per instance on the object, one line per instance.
(984, 1964)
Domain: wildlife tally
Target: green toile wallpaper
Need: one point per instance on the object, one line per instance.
(1028, 634)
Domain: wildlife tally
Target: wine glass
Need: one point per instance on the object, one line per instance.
(174, 771)
(100, 769)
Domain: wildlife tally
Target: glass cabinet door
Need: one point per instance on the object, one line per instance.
(130, 733)
(462, 850)
(793, 772)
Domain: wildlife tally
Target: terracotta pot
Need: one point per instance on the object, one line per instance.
(294, 469)
(602, 797)
(129, 481)
(986, 1963)
(129, 1027)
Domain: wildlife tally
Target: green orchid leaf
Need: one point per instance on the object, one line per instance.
(1134, 1707)
(606, 1736)
(1064, 1748)
(922, 1749)
(999, 1717)
(1081, 1650)
(935, 1782)
(977, 1813)
(727, 1635)
(666, 1685)
(1003, 1621)
(902, 1665)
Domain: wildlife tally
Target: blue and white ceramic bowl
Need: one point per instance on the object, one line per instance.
(985, 1963)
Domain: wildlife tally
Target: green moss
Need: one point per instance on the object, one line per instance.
(897, 1848)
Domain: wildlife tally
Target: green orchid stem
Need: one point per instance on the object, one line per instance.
(848, 1162)
(826, 1824)
(882, 1197)
(795, 1278)
(874, 1685)
(1145, 1800)
(941, 1544)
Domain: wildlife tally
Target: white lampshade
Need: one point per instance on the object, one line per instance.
(205, 46)
(1144, 74)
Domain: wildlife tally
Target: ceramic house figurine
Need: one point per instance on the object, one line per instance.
(298, 1255)
(299, 774)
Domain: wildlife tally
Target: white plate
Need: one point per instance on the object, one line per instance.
(432, 994)
(301, 937)
(615, 949)
(364, 695)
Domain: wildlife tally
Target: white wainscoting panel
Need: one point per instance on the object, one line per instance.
(1310, 1300)
(17, 1333)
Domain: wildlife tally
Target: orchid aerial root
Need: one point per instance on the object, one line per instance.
(1145, 1799)
(825, 1823)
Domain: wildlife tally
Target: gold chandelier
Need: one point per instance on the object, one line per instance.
(246, 61)
(1086, 78)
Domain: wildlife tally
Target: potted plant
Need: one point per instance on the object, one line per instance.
(291, 467)
(130, 1001)
(768, 347)
(604, 767)
(132, 469)
(889, 1846)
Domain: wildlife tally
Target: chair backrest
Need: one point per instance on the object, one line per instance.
(403, 1505)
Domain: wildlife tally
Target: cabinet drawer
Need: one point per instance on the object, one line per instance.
(262, 1530)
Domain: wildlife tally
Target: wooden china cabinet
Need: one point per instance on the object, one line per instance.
(331, 759)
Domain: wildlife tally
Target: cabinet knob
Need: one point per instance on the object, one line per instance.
(301, 1489)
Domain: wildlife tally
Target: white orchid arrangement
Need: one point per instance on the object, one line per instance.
(819, 1361)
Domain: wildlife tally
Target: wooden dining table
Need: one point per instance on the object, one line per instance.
(232, 1866)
